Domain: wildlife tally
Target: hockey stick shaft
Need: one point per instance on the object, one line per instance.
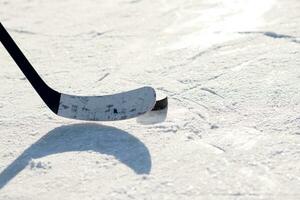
(49, 96)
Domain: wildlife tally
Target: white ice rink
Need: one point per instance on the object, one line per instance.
(231, 70)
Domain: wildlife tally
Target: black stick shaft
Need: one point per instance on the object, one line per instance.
(49, 96)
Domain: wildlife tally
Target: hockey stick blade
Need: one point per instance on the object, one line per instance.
(91, 108)
(160, 104)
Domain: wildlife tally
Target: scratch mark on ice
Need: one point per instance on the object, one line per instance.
(103, 77)
(217, 147)
(274, 35)
(22, 31)
(212, 92)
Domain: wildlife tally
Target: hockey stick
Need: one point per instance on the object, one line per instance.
(91, 108)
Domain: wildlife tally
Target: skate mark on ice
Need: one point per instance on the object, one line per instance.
(277, 35)
(217, 147)
(92, 33)
(22, 31)
(135, 1)
(212, 92)
(208, 50)
(84, 137)
(103, 77)
(204, 52)
(274, 35)
(215, 77)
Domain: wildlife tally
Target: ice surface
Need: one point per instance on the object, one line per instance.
(231, 72)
